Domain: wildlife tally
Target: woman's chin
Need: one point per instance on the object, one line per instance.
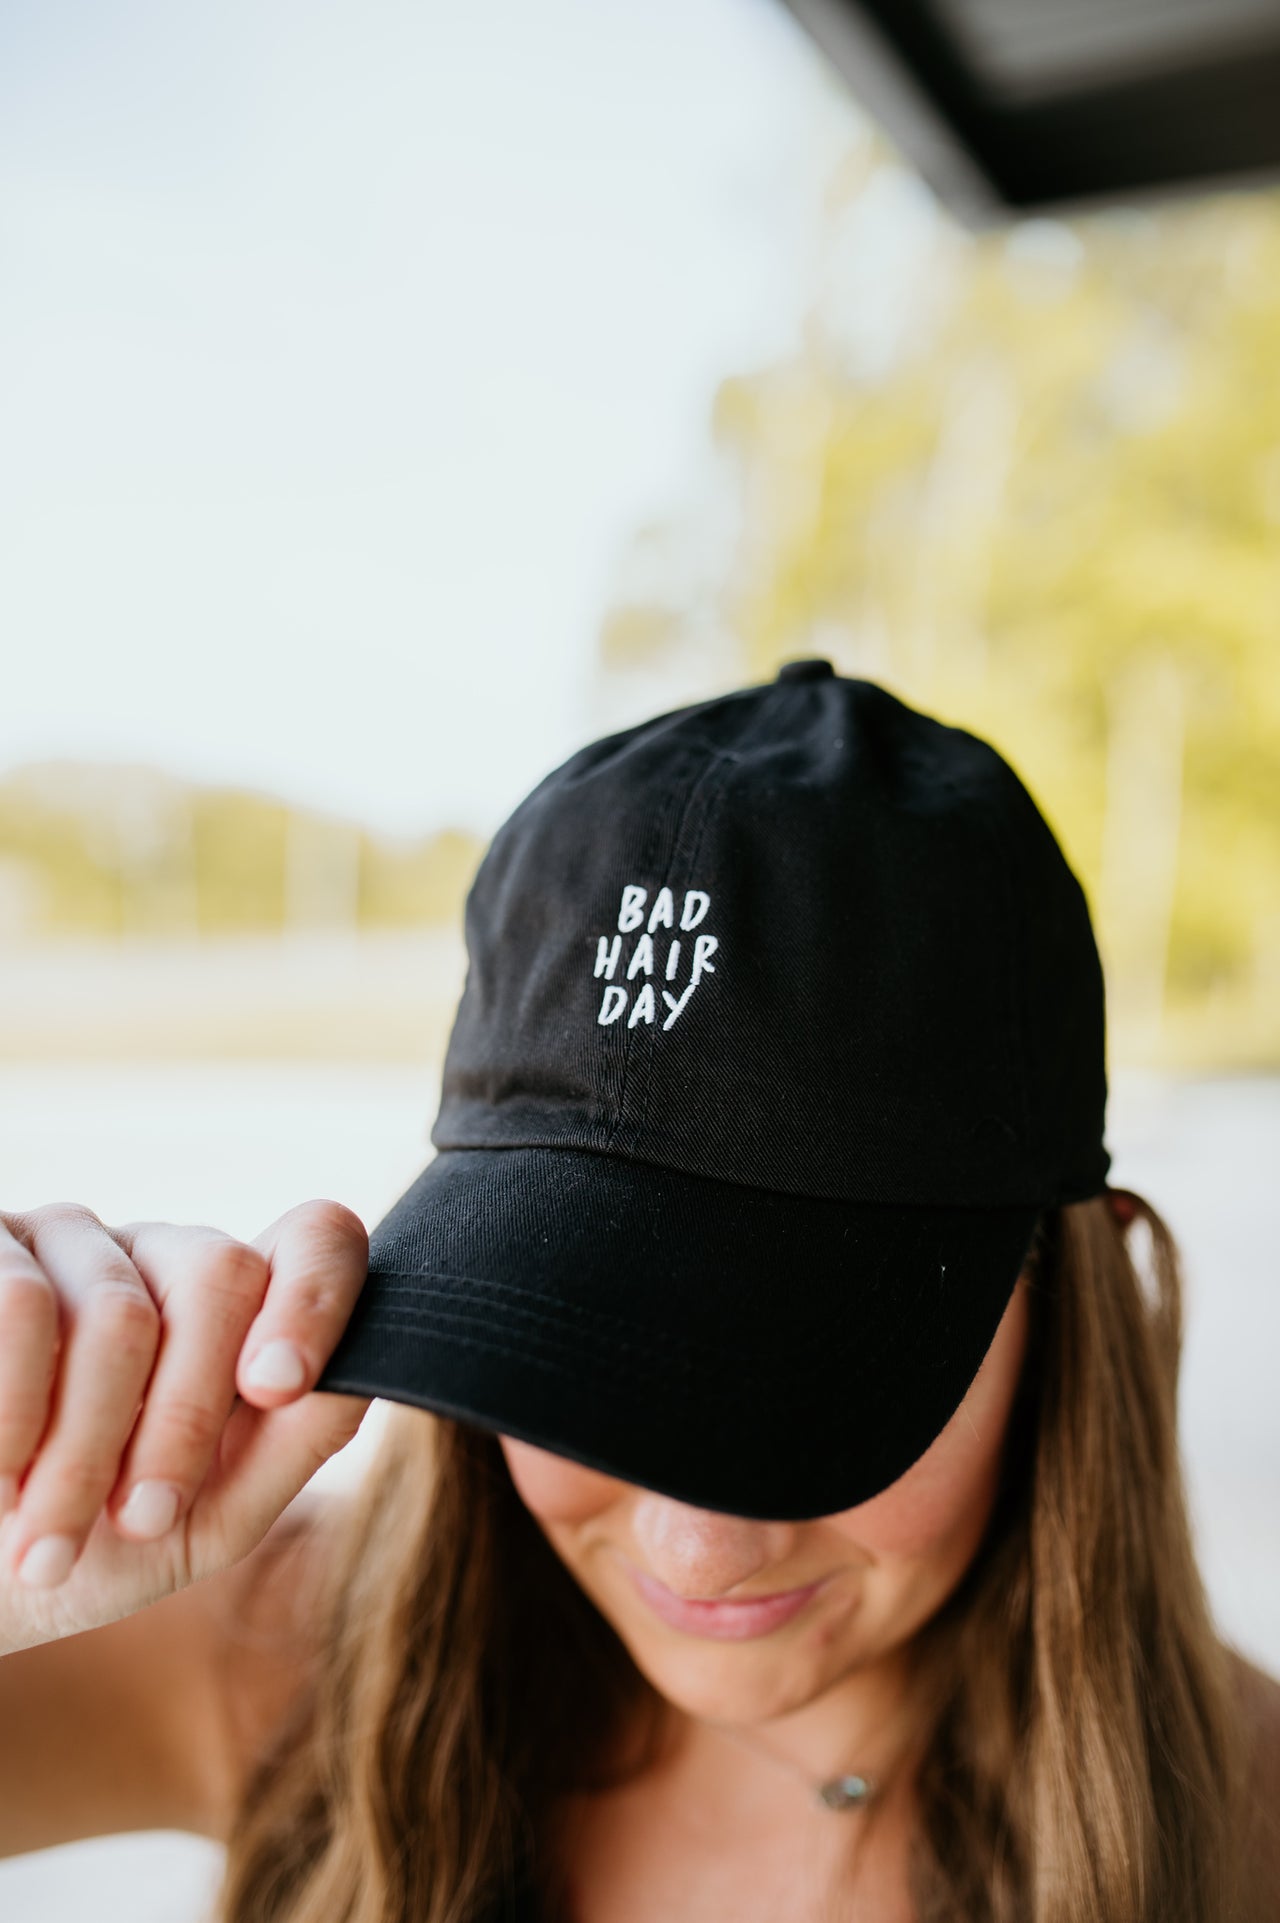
(730, 1684)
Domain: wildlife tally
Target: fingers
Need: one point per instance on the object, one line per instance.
(123, 1351)
(28, 1360)
(268, 1456)
(108, 1347)
(209, 1288)
(263, 1317)
(319, 1256)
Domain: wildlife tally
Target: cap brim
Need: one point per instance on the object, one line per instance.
(768, 1355)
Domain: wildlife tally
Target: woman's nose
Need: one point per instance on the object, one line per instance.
(701, 1554)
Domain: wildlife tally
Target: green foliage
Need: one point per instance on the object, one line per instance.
(1051, 513)
(239, 854)
(88, 850)
(416, 883)
(52, 874)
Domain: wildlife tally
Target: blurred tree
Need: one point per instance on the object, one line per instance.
(107, 850)
(417, 882)
(1031, 481)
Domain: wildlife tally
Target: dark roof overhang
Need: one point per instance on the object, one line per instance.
(1024, 105)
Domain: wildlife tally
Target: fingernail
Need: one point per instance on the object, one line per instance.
(151, 1509)
(278, 1366)
(8, 1494)
(47, 1562)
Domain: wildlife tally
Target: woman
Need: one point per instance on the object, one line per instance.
(783, 1517)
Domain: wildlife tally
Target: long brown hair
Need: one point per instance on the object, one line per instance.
(1087, 1757)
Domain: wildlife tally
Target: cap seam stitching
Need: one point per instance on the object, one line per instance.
(633, 1160)
(570, 1364)
(1017, 1050)
(628, 1354)
(628, 1059)
(598, 1318)
(725, 760)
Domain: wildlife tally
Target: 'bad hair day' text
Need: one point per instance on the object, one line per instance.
(644, 963)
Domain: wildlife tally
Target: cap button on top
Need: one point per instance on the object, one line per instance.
(811, 669)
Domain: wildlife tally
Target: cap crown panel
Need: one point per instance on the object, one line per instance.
(796, 937)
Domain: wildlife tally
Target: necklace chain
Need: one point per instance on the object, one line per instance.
(835, 1793)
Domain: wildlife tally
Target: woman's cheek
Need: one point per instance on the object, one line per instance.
(554, 1489)
(942, 1499)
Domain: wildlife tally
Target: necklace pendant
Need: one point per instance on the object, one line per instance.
(844, 1792)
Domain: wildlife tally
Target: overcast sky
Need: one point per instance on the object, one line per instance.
(346, 345)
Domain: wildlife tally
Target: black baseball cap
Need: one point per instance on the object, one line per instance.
(782, 1024)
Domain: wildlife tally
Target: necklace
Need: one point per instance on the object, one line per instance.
(836, 1793)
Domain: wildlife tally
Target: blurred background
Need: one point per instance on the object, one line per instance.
(396, 397)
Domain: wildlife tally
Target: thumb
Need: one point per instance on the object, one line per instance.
(266, 1457)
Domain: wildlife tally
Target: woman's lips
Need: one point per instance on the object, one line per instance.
(725, 1621)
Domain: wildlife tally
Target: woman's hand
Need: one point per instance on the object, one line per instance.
(154, 1414)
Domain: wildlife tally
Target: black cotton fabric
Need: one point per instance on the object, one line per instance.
(783, 1021)
(738, 1349)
